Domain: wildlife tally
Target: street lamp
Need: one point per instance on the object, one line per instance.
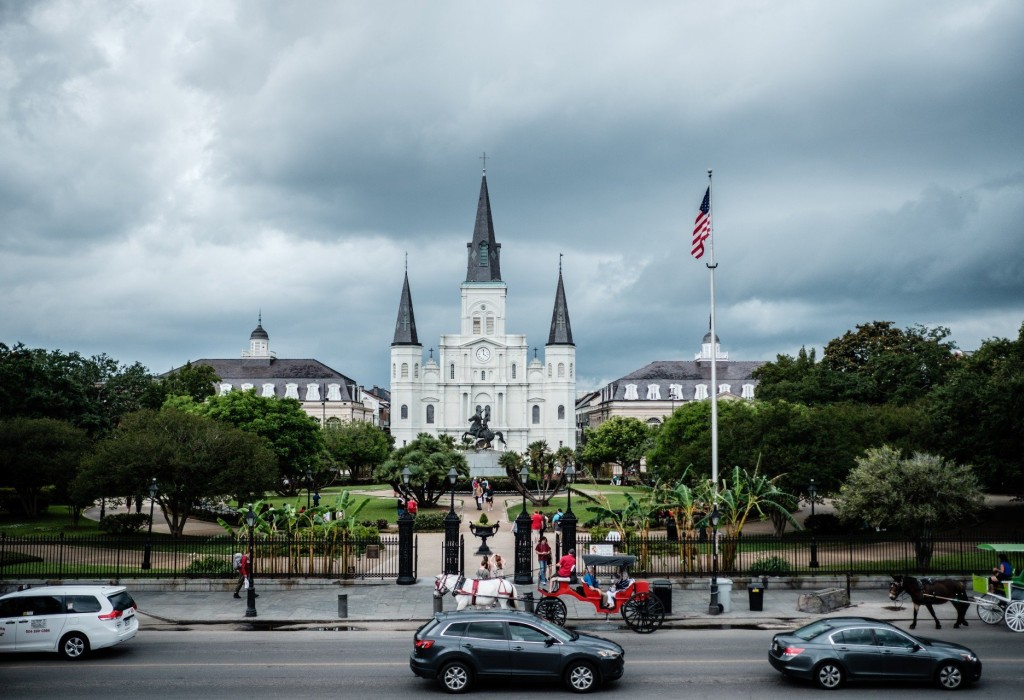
(568, 521)
(524, 558)
(250, 598)
(812, 492)
(405, 544)
(715, 607)
(146, 564)
(451, 530)
(309, 484)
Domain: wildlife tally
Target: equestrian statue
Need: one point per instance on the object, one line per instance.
(482, 435)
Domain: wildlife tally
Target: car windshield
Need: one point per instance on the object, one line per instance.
(121, 601)
(809, 632)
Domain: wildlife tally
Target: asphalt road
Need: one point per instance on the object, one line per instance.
(198, 664)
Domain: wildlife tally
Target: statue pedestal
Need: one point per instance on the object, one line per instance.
(484, 463)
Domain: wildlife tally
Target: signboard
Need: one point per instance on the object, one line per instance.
(602, 549)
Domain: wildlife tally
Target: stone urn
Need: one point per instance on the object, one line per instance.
(483, 528)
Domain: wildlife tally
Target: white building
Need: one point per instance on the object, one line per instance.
(483, 367)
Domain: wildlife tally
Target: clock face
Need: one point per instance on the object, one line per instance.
(483, 354)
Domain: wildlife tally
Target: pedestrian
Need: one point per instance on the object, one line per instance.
(543, 550)
(556, 520)
(316, 499)
(401, 506)
(243, 572)
(498, 571)
(411, 506)
(484, 572)
(478, 494)
(536, 522)
(544, 523)
(489, 495)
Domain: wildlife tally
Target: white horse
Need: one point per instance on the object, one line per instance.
(482, 592)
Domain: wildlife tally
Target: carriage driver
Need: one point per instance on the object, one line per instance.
(566, 565)
(1002, 572)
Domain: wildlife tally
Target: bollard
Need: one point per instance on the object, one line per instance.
(528, 602)
(438, 603)
(343, 605)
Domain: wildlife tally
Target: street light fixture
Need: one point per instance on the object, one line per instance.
(451, 529)
(309, 484)
(405, 544)
(153, 490)
(250, 598)
(568, 521)
(812, 492)
(524, 557)
(715, 607)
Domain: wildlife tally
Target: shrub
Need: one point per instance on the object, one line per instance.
(383, 524)
(770, 566)
(210, 565)
(429, 522)
(826, 524)
(124, 523)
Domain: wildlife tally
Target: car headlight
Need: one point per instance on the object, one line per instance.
(968, 657)
(608, 653)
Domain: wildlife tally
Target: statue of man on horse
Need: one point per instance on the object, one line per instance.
(480, 432)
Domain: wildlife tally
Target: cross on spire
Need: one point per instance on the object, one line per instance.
(484, 159)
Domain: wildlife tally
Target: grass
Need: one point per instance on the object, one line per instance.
(56, 520)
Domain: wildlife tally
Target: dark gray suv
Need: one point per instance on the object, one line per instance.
(458, 647)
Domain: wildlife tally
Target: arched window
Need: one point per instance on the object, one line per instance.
(451, 371)
(430, 413)
(549, 370)
(394, 371)
(561, 413)
(476, 325)
(536, 415)
(572, 369)
(333, 423)
(513, 370)
(405, 412)
(405, 370)
(561, 370)
(416, 371)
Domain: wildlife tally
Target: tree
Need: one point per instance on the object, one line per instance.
(36, 453)
(359, 447)
(190, 456)
(195, 381)
(295, 437)
(979, 413)
(619, 440)
(744, 494)
(918, 496)
(429, 460)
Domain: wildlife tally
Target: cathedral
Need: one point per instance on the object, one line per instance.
(484, 378)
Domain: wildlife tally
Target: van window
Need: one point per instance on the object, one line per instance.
(45, 605)
(486, 630)
(82, 604)
(122, 601)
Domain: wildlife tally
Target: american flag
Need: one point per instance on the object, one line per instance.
(702, 226)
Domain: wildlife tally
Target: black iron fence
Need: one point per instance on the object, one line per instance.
(795, 555)
(114, 557)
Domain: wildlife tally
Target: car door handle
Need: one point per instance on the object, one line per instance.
(517, 648)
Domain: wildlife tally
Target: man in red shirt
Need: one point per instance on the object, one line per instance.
(412, 507)
(536, 523)
(566, 565)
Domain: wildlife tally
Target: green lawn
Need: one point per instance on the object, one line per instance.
(56, 520)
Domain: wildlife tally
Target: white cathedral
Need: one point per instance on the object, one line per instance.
(482, 369)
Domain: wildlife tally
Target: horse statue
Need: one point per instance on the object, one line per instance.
(931, 592)
(482, 592)
(482, 435)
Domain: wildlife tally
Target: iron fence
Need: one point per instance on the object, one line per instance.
(114, 557)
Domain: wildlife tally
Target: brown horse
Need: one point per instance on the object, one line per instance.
(932, 592)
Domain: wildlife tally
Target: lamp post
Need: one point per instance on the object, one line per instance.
(146, 563)
(309, 484)
(812, 492)
(405, 523)
(568, 521)
(524, 557)
(250, 598)
(451, 530)
(714, 608)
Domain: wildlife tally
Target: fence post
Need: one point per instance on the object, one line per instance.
(60, 557)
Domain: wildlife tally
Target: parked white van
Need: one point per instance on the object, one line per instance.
(70, 620)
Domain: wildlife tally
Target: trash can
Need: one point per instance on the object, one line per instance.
(756, 593)
(725, 594)
(438, 603)
(343, 605)
(662, 588)
(528, 602)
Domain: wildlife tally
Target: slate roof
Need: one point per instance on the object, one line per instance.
(405, 326)
(483, 234)
(561, 329)
(687, 373)
(260, 371)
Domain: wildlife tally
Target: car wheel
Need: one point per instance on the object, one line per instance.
(74, 646)
(456, 677)
(580, 677)
(829, 675)
(949, 676)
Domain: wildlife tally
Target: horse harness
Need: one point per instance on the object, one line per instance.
(458, 589)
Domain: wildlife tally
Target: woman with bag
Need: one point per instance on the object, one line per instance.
(543, 550)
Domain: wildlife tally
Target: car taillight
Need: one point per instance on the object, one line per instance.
(790, 652)
(424, 644)
(112, 615)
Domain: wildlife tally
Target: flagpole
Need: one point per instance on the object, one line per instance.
(714, 607)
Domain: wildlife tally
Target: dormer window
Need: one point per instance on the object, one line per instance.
(701, 392)
(653, 392)
(225, 389)
(291, 391)
(631, 394)
(312, 392)
(268, 390)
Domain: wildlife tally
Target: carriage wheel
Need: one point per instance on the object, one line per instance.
(990, 609)
(1014, 616)
(643, 612)
(552, 609)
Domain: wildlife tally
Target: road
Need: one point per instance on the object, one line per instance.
(198, 664)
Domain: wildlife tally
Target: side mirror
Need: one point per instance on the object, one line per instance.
(549, 641)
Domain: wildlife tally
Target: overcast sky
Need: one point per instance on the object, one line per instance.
(170, 169)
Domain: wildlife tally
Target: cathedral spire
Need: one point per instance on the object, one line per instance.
(484, 252)
(561, 329)
(405, 326)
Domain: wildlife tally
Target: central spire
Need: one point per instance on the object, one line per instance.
(484, 263)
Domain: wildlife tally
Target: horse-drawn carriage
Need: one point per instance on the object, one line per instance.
(642, 611)
(1006, 603)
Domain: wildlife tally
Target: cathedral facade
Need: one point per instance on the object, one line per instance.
(482, 376)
